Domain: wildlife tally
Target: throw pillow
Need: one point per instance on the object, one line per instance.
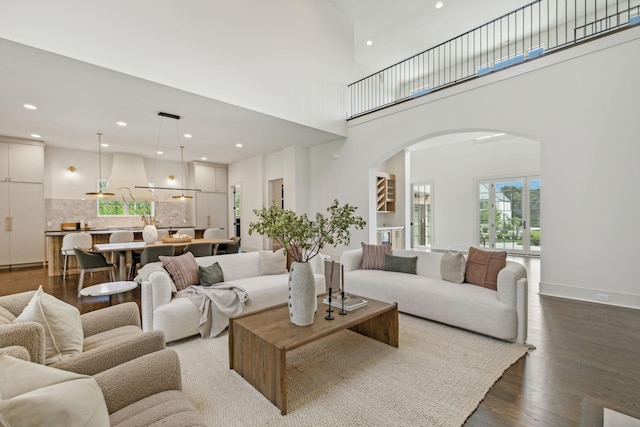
(373, 256)
(453, 267)
(483, 267)
(183, 269)
(400, 264)
(38, 395)
(62, 325)
(210, 275)
(272, 262)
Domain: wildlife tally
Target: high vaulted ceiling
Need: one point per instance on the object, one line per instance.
(77, 99)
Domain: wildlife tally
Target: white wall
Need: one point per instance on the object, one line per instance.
(249, 174)
(290, 58)
(60, 183)
(454, 169)
(580, 105)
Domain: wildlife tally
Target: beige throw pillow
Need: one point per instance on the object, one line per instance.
(36, 395)
(273, 262)
(373, 256)
(453, 266)
(183, 269)
(62, 325)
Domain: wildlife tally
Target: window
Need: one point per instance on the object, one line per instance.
(509, 214)
(421, 221)
(118, 207)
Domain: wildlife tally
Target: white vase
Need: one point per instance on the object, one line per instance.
(149, 234)
(302, 294)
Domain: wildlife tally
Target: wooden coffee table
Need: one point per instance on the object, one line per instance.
(259, 341)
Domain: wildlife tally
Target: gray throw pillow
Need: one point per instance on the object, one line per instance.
(400, 264)
(210, 275)
(453, 266)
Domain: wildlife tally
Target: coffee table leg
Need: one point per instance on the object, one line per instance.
(383, 328)
(261, 364)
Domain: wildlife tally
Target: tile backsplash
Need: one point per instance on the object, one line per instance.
(58, 211)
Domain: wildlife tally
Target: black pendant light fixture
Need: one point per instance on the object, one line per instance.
(100, 193)
(182, 196)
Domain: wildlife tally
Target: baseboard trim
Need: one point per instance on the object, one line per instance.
(591, 295)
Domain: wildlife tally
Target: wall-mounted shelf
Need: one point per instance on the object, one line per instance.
(386, 192)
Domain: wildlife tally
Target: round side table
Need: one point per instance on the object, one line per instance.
(108, 288)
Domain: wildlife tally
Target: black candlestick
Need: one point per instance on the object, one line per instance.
(330, 310)
(342, 312)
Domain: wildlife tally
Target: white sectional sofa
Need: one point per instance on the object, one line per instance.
(501, 314)
(178, 317)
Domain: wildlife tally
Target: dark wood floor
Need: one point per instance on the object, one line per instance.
(587, 355)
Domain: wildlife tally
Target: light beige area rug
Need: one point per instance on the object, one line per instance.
(437, 377)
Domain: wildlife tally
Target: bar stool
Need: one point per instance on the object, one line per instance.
(72, 240)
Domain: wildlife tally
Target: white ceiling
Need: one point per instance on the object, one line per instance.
(76, 99)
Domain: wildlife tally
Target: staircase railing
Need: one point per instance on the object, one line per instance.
(522, 35)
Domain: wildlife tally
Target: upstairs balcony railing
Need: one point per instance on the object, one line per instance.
(522, 35)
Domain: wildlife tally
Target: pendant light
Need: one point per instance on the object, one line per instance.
(182, 196)
(100, 193)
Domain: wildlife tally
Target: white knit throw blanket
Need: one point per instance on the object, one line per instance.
(216, 304)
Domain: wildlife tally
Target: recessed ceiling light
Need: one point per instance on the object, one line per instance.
(239, 145)
(121, 123)
(203, 158)
(104, 145)
(439, 5)
(369, 42)
(159, 152)
(188, 135)
(35, 135)
(30, 107)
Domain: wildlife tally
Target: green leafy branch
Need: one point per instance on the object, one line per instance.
(303, 238)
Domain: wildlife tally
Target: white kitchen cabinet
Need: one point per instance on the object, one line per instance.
(21, 162)
(221, 180)
(205, 177)
(22, 232)
(211, 210)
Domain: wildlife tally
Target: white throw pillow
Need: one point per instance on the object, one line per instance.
(273, 262)
(37, 395)
(62, 325)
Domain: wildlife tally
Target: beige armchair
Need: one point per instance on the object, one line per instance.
(112, 336)
(146, 391)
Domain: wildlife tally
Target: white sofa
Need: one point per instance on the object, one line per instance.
(179, 317)
(501, 314)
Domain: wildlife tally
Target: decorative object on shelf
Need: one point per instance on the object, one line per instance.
(100, 193)
(302, 240)
(149, 234)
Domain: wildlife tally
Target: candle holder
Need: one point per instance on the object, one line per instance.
(342, 311)
(330, 309)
